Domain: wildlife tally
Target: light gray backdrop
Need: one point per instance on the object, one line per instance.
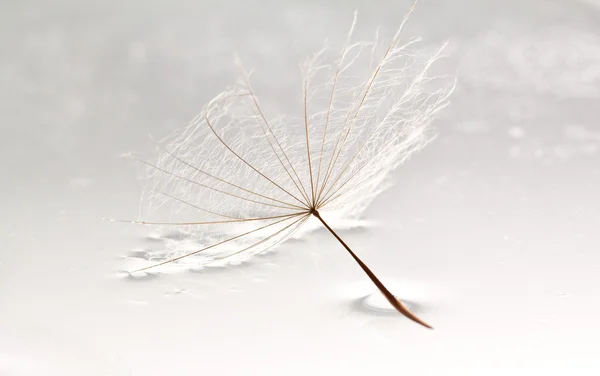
(492, 231)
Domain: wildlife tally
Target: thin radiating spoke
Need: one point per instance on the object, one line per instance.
(212, 246)
(243, 160)
(223, 180)
(367, 91)
(291, 207)
(327, 194)
(207, 222)
(310, 173)
(327, 197)
(303, 219)
(349, 128)
(266, 123)
(396, 108)
(194, 205)
(331, 99)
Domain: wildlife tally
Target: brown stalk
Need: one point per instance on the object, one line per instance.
(388, 295)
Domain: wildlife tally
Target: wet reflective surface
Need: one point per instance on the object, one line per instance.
(490, 234)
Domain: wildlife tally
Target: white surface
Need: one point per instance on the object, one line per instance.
(491, 232)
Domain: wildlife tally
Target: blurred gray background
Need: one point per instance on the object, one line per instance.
(491, 231)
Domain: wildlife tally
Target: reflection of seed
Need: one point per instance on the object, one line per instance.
(154, 236)
(139, 276)
(143, 254)
(377, 302)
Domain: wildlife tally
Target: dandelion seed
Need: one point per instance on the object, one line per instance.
(248, 182)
